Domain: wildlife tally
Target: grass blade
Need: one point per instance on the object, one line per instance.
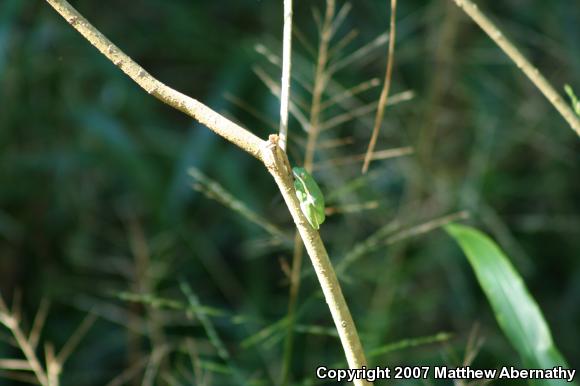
(516, 311)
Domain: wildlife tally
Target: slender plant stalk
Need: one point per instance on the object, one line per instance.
(268, 152)
(48, 376)
(292, 301)
(15, 364)
(28, 352)
(320, 80)
(38, 323)
(211, 332)
(11, 322)
(391, 233)
(276, 162)
(75, 339)
(377, 155)
(143, 285)
(384, 98)
(286, 67)
(313, 131)
(521, 62)
(53, 367)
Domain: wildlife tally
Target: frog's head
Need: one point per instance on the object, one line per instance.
(299, 172)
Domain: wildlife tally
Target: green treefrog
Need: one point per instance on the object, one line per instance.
(310, 197)
(573, 99)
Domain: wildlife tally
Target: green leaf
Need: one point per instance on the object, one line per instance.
(516, 311)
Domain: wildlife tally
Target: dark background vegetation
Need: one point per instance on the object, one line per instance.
(95, 199)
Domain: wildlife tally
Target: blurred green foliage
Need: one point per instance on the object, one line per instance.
(95, 199)
(516, 312)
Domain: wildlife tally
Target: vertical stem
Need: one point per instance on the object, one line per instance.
(52, 366)
(292, 301)
(320, 79)
(286, 66)
(12, 323)
(276, 161)
(319, 83)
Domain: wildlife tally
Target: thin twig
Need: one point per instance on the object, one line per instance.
(521, 62)
(320, 78)
(391, 233)
(143, 283)
(411, 342)
(342, 43)
(426, 227)
(360, 53)
(75, 338)
(377, 155)
(292, 302)
(153, 365)
(286, 67)
(15, 364)
(339, 18)
(363, 110)
(275, 90)
(38, 323)
(18, 376)
(211, 332)
(385, 91)
(53, 366)
(277, 61)
(305, 43)
(129, 373)
(350, 92)
(276, 161)
(7, 319)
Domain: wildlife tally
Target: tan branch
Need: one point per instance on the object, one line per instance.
(275, 160)
(12, 323)
(320, 81)
(521, 62)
